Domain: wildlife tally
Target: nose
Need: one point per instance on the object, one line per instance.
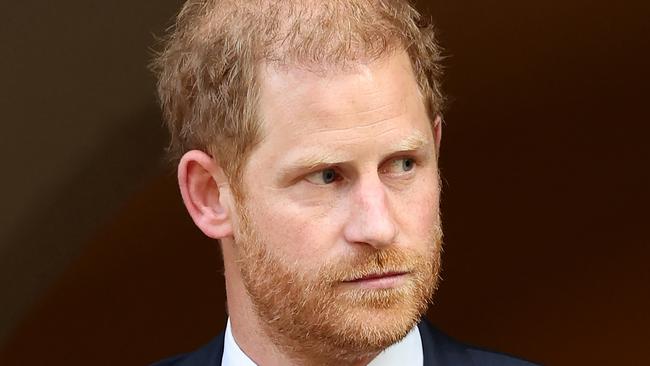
(370, 221)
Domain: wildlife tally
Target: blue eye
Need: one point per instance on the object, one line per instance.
(407, 164)
(400, 166)
(328, 175)
(322, 177)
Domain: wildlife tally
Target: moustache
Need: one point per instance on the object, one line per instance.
(373, 263)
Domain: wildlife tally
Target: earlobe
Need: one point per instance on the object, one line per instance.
(204, 188)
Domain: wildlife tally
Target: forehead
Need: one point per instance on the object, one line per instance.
(366, 106)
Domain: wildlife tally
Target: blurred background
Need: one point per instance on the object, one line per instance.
(545, 160)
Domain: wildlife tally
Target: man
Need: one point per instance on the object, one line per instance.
(307, 134)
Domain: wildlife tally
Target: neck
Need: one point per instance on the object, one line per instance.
(249, 332)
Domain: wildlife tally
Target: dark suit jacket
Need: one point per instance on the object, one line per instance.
(438, 350)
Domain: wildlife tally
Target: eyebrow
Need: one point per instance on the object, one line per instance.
(311, 160)
(413, 142)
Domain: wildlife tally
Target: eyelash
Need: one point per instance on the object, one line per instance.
(413, 160)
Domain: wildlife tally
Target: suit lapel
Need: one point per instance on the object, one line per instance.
(440, 350)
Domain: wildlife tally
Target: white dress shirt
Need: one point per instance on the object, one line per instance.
(408, 351)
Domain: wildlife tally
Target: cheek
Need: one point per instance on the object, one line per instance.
(295, 232)
(417, 210)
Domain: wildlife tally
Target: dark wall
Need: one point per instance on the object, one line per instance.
(80, 132)
(546, 162)
(546, 187)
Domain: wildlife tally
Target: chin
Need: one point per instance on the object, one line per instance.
(373, 329)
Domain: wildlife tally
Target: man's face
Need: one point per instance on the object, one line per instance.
(338, 236)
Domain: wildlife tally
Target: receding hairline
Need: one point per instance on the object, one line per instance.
(207, 79)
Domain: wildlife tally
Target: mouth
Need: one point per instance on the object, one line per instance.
(379, 280)
(376, 276)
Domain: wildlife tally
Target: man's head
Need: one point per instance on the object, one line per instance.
(309, 135)
(209, 69)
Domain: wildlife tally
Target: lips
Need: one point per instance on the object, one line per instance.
(378, 276)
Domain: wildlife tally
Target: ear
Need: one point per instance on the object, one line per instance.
(437, 133)
(205, 191)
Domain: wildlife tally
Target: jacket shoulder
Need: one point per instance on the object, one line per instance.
(440, 349)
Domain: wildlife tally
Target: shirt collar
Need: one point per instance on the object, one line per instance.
(408, 351)
(232, 354)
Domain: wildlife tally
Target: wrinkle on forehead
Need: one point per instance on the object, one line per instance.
(367, 125)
